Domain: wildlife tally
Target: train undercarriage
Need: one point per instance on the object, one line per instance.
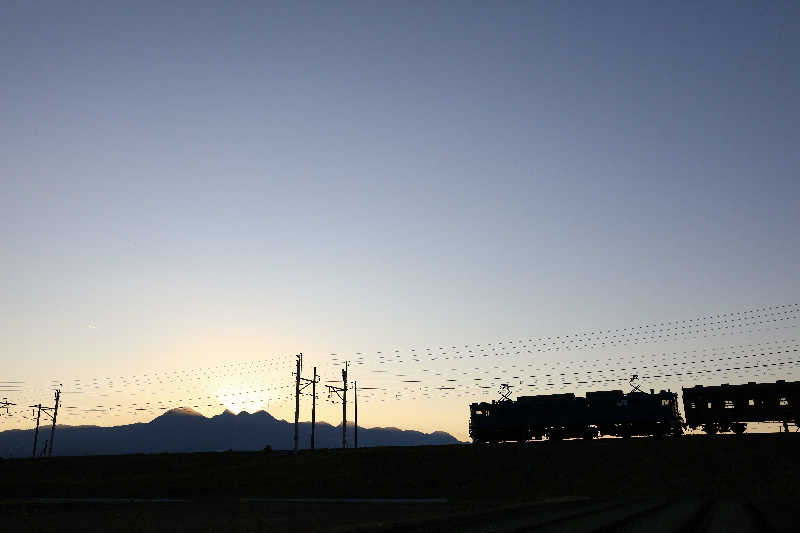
(557, 433)
(738, 428)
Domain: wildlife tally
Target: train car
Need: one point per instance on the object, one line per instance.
(529, 417)
(730, 407)
(560, 416)
(554, 416)
(497, 421)
(636, 413)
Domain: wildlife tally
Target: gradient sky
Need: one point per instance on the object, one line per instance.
(187, 183)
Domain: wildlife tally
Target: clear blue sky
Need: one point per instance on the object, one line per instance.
(203, 181)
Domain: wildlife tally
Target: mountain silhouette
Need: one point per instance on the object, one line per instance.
(185, 430)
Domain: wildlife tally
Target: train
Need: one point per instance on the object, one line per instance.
(727, 407)
(723, 408)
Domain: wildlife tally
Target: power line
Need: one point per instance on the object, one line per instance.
(719, 319)
(657, 332)
(541, 380)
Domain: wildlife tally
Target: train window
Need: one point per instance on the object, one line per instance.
(751, 403)
(729, 404)
(665, 402)
(783, 402)
(709, 405)
(691, 405)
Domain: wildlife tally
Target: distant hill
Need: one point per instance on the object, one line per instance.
(185, 430)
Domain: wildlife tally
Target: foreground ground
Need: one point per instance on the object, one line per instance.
(695, 483)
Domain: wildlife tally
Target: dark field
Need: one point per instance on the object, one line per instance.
(694, 483)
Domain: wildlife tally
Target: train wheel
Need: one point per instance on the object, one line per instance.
(739, 428)
(711, 429)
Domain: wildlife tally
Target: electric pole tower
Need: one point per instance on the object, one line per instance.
(298, 388)
(341, 392)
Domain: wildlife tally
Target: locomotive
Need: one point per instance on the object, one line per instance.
(613, 413)
(562, 416)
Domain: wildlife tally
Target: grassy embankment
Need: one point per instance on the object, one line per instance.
(753, 465)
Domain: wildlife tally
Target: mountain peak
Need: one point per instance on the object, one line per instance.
(182, 412)
(230, 415)
(185, 411)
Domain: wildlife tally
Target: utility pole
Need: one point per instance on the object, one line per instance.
(355, 402)
(53, 427)
(48, 445)
(341, 392)
(297, 390)
(297, 397)
(36, 431)
(5, 404)
(313, 405)
(344, 406)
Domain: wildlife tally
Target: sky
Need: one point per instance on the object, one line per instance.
(209, 188)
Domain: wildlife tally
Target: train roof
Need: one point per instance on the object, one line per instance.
(605, 393)
(546, 397)
(751, 385)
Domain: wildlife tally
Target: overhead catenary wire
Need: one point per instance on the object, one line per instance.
(518, 359)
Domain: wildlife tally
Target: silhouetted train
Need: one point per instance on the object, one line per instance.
(614, 413)
(560, 416)
(729, 407)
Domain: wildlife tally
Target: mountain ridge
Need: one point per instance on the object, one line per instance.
(185, 430)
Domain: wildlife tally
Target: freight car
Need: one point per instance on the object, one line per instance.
(560, 416)
(730, 407)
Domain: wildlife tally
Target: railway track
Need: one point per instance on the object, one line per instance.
(683, 515)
